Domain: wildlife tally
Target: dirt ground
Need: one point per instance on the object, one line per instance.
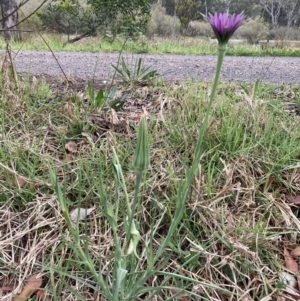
(88, 66)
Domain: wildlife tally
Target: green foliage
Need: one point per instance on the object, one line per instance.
(250, 140)
(138, 74)
(33, 22)
(180, 45)
(105, 98)
(129, 17)
(69, 17)
(73, 16)
(187, 11)
(141, 159)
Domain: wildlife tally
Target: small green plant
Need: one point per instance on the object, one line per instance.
(128, 279)
(138, 74)
(106, 97)
(250, 151)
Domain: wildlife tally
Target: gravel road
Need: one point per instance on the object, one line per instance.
(98, 65)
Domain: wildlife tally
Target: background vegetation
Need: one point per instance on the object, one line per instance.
(168, 18)
(164, 26)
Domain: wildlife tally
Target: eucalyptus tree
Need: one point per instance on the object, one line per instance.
(9, 9)
(274, 9)
(250, 8)
(291, 9)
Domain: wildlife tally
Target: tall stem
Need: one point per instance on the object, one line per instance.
(204, 125)
(184, 189)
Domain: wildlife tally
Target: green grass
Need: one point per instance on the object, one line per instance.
(229, 244)
(180, 45)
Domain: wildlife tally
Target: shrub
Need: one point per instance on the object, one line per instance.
(69, 19)
(187, 11)
(199, 28)
(293, 33)
(33, 22)
(284, 33)
(161, 23)
(254, 30)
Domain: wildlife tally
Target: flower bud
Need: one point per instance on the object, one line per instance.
(141, 159)
(224, 26)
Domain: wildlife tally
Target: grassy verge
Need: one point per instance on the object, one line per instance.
(158, 45)
(229, 245)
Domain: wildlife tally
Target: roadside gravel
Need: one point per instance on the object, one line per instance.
(87, 66)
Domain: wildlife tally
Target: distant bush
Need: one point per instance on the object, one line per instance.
(254, 30)
(284, 33)
(187, 11)
(293, 33)
(32, 23)
(199, 28)
(68, 19)
(161, 23)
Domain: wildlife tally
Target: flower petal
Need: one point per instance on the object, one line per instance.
(225, 26)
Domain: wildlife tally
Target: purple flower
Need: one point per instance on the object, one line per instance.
(224, 26)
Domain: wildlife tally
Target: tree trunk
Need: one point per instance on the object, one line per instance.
(170, 7)
(291, 9)
(273, 8)
(9, 9)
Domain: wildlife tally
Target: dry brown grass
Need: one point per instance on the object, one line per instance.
(235, 225)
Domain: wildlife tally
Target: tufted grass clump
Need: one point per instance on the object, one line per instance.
(236, 220)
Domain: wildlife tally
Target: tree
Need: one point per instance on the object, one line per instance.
(170, 7)
(291, 9)
(210, 6)
(273, 8)
(9, 10)
(187, 11)
(131, 15)
(69, 17)
(250, 8)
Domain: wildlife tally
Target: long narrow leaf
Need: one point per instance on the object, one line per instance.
(139, 64)
(112, 93)
(100, 98)
(125, 68)
(90, 91)
(121, 73)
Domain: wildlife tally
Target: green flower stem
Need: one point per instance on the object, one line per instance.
(204, 125)
(184, 188)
